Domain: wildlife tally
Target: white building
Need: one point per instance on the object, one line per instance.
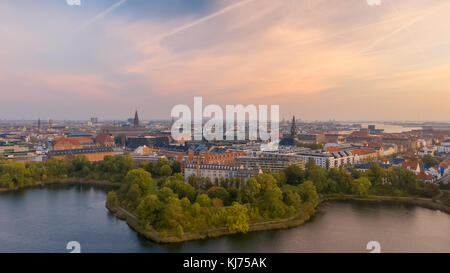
(427, 150)
(214, 172)
(329, 160)
(444, 148)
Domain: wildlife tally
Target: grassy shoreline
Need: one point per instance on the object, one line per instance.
(428, 203)
(65, 182)
(286, 223)
(154, 235)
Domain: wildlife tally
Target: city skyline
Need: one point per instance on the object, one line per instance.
(319, 60)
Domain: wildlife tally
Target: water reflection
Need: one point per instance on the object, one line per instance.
(45, 219)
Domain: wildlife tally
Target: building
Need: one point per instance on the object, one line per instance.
(365, 166)
(270, 162)
(294, 131)
(329, 160)
(364, 154)
(214, 172)
(105, 140)
(444, 148)
(64, 143)
(427, 150)
(151, 141)
(92, 154)
(136, 120)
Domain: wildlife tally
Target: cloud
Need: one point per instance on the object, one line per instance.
(318, 59)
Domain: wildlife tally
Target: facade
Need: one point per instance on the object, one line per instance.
(364, 154)
(105, 140)
(64, 143)
(444, 148)
(92, 154)
(214, 172)
(329, 160)
(427, 150)
(270, 162)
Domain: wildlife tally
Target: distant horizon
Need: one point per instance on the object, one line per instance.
(286, 119)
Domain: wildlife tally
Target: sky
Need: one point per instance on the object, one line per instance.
(317, 59)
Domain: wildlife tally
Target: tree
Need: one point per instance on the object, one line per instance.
(270, 202)
(294, 175)
(183, 189)
(430, 161)
(138, 184)
(311, 164)
(308, 192)
(176, 167)
(203, 200)
(361, 186)
(81, 166)
(6, 181)
(291, 198)
(342, 180)
(237, 218)
(250, 191)
(149, 211)
(403, 179)
(318, 176)
(165, 170)
(111, 198)
(220, 193)
(376, 174)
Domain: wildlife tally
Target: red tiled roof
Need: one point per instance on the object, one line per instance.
(363, 151)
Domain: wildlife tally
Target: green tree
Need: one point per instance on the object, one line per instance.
(342, 178)
(361, 186)
(308, 192)
(6, 181)
(292, 198)
(430, 161)
(220, 193)
(237, 218)
(203, 200)
(176, 167)
(149, 211)
(403, 179)
(376, 174)
(251, 191)
(270, 202)
(294, 175)
(318, 176)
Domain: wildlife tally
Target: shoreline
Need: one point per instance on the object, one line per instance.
(427, 203)
(154, 235)
(66, 181)
(286, 223)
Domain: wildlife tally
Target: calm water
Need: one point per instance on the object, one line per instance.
(44, 220)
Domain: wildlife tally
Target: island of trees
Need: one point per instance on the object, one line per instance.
(157, 201)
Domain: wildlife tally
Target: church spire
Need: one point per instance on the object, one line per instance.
(136, 119)
(294, 131)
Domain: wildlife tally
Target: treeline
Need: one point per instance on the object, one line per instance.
(178, 207)
(376, 181)
(113, 168)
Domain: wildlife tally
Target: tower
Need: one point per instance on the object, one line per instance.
(294, 128)
(136, 119)
(39, 125)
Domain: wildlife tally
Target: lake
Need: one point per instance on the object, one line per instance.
(46, 219)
